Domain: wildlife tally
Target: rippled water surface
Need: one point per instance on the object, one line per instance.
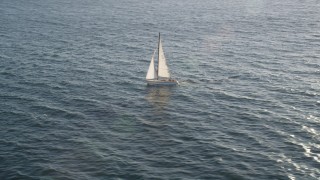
(74, 103)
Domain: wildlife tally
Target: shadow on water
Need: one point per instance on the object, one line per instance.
(158, 96)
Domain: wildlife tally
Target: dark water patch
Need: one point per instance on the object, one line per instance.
(13, 117)
(7, 74)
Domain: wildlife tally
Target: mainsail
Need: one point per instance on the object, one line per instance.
(151, 71)
(162, 73)
(163, 70)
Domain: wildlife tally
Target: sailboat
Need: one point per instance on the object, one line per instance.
(159, 75)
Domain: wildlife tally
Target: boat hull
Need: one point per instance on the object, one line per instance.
(162, 82)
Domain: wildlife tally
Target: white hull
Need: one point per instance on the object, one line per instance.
(162, 82)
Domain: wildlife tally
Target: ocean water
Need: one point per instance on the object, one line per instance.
(74, 103)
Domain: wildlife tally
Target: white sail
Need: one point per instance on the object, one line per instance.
(151, 74)
(163, 70)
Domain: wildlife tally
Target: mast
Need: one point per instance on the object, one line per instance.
(158, 56)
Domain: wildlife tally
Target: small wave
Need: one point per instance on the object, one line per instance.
(309, 93)
(231, 96)
(308, 153)
(312, 65)
(309, 150)
(35, 84)
(288, 90)
(189, 81)
(234, 77)
(4, 56)
(149, 123)
(205, 80)
(310, 130)
(57, 112)
(83, 70)
(290, 164)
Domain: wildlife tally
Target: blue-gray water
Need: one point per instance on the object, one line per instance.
(74, 103)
